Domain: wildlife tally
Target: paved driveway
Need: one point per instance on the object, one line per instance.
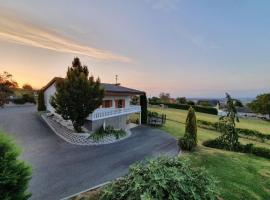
(61, 169)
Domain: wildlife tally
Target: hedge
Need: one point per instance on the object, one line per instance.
(243, 148)
(41, 103)
(241, 131)
(202, 109)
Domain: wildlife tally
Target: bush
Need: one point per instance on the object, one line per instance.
(14, 174)
(41, 102)
(186, 143)
(19, 101)
(29, 98)
(243, 148)
(162, 178)
(109, 130)
(208, 110)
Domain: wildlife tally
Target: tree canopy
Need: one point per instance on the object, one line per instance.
(261, 104)
(77, 95)
(181, 100)
(6, 86)
(27, 86)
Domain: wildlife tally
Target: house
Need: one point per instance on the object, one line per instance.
(115, 109)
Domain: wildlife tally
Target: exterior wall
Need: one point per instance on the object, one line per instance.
(113, 98)
(48, 93)
(119, 122)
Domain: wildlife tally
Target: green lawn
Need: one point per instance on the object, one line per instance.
(241, 176)
(180, 115)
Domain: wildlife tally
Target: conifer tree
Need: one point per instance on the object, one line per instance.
(77, 95)
(189, 141)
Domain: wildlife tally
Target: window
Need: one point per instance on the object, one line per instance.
(120, 103)
(107, 104)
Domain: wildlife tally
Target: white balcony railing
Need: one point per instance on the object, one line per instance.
(102, 113)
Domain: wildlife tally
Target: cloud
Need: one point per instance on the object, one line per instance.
(15, 30)
(167, 5)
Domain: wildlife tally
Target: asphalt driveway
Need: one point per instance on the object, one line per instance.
(61, 169)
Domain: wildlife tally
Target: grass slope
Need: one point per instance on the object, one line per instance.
(180, 115)
(240, 176)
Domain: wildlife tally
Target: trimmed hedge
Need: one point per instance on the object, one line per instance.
(19, 101)
(41, 102)
(202, 109)
(241, 131)
(243, 148)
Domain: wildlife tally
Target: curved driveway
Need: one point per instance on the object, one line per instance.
(61, 169)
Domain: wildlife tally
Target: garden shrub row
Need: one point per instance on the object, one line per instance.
(162, 178)
(108, 131)
(241, 131)
(26, 98)
(202, 109)
(243, 148)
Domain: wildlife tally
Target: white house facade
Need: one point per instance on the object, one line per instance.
(115, 109)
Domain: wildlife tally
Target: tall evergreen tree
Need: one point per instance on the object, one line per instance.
(189, 141)
(143, 103)
(77, 95)
(191, 125)
(41, 104)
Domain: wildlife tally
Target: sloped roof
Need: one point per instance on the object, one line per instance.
(108, 87)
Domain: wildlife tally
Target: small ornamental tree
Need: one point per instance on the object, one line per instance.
(41, 104)
(189, 141)
(14, 174)
(143, 103)
(229, 137)
(77, 95)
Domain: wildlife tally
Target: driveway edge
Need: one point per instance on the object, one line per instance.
(87, 190)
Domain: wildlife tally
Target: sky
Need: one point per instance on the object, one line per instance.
(192, 48)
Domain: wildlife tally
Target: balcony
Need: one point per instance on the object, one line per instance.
(103, 113)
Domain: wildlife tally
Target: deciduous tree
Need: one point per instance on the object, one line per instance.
(261, 104)
(6, 86)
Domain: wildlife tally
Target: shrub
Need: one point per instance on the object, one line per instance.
(186, 143)
(162, 178)
(208, 110)
(143, 103)
(41, 103)
(243, 148)
(108, 131)
(14, 174)
(19, 101)
(189, 141)
(29, 98)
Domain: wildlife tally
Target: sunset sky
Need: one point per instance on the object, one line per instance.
(192, 48)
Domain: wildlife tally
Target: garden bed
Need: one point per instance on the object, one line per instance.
(63, 129)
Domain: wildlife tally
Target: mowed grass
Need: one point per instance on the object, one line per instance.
(240, 176)
(180, 115)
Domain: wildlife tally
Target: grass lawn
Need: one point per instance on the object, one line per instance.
(240, 176)
(180, 115)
